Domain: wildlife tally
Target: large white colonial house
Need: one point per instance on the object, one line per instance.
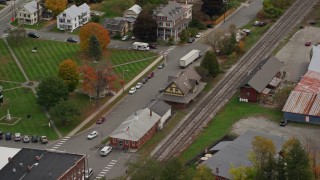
(73, 17)
(29, 13)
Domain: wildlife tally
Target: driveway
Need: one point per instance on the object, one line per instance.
(295, 55)
(299, 131)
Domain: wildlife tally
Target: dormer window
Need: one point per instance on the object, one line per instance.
(64, 15)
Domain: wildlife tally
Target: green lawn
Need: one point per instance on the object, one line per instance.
(36, 26)
(223, 121)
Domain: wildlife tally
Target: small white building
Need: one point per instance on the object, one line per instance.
(132, 12)
(73, 17)
(163, 110)
(29, 13)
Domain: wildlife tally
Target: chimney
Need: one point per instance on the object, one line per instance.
(150, 112)
(217, 170)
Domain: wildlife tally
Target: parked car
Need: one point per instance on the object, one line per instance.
(191, 40)
(93, 134)
(132, 90)
(210, 26)
(88, 173)
(124, 38)
(1, 134)
(133, 37)
(152, 46)
(34, 139)
(259, 23)
(161, 66)
(144, 80)
(17, 136)
(283, 122)
(8, 136)
(101, 120)
(150, 75)
(33, 35)
(199, 34)
(105, 150)
(312, 22)
(308, 43)
(247, 31)
(43, 139)
(161, 89)
(94, 14)
(72, 40)
(26, 139)
(139, 85)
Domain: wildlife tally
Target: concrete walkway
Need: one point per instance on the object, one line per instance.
(101, 108)
(32, 87)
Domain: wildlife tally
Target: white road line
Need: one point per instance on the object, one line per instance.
(63, 140)
(55, 147)
(101, 175)
(67, 137)
(60, 143)
(103, 172)
(110, 165)
(114, 160)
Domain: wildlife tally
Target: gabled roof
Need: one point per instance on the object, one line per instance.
(136, 126)
(315, 60)
(114, 24)
(309, 83)
(84, 7)
(236, 153)
(172, 10)
(31, 7)
(160, 107)
(136, 9)
(265, 74)
(186, 80)
(74, 11)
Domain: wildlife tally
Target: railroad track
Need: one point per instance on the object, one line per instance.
(186, 131)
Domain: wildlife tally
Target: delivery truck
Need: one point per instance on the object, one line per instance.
(189, 58)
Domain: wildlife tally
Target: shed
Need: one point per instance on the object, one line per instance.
(162, 109)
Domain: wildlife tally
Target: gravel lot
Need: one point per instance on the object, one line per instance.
(295, 55)
(300, 131)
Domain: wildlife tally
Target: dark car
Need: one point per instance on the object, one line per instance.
(210, 26)
(191, 40)
(8, 136)
(101, 120)
(150, 75)
(312, 22)
(72, 40)
(162, 89)
(283, 122)
(152, 46)
(308, 43)
(33, 35)
(34, 139)
(144, 80)
(1, 134)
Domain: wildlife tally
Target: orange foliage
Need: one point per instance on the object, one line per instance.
(96, 29)
(56, 6)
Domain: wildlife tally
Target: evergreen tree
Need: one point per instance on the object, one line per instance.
(210, 63)
(94, 49)
(213, 7)
(145, 27)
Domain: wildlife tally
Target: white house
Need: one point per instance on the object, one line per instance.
(73, 17)
(132, 12)
(29, 13)
(163, 110)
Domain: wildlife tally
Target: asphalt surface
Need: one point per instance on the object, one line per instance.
(113, 165)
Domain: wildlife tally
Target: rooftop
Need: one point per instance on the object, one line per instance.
(50, 166)
(315, 60)
(310, 83)
(5, 153)
(160, 107)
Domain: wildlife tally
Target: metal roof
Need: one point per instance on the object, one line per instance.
(220, 145)
(315, 60)
(236, 153)
(172, 10)
(310, 83)
(136, 9)
(265, 74)
(74, 11)
(5, 153)
(136, 126)
(31, 7)
(160, 107)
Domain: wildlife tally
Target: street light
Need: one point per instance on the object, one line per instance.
(124, 82)
(225, 3)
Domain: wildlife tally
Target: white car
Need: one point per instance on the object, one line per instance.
(124, 38)
(132, 90)
(88, 173)
(105, 150)
(199, 34)
(138, 86)
(93, 134)
(133, 37)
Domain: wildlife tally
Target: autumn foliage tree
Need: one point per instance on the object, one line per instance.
(56, 6)
(68, 72)
(97, 30)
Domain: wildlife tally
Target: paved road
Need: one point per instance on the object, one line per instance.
(113, 165)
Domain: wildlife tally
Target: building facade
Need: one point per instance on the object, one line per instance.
(172, 19)
(73, 17)
(132, 12)
(29, 13)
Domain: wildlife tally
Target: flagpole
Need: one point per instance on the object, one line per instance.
(129, 137)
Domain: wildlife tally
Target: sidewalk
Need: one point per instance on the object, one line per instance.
(101, 108)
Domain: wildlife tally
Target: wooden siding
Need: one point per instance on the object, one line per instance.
(249, 93)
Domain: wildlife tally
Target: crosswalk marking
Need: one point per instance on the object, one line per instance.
(105, 170)
(110, 165)
(101, 175)
(114, 160)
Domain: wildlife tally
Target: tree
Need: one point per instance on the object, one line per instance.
(242, 173)
(172, 170)
(17, 35)
(313, 151)
(203, 173)
(145, 27)
(210, 63)
(95, 19)
(90, 29)
(56, 6)
(282, 95)
(94, 49)
(97, 80)
(213, 7)
(298, 164)
(203, 72)
(144, 169)
(68, 72)
(64, 111)
(263, 151)
(50, 91)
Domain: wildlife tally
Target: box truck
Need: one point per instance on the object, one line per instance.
(140, 46)
(189, 58)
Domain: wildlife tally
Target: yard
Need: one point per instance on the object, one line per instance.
(45, 63)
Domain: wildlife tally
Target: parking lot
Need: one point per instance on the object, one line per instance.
(295, 55)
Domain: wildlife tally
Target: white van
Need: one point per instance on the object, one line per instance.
(105, 150)
(140, 46)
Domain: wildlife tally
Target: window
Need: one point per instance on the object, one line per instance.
(28, 15)
(160, 23)
(171, 89)
(35, 13)
(24, 15)
(64, 15)
(176, 89)
(127, 142)
(114, 140)
(168, 24)
(68, 21)
(133, 143)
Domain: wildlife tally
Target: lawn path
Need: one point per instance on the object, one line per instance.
(145, 59)
(32, 88)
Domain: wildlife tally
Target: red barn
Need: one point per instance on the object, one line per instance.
(261, 80)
